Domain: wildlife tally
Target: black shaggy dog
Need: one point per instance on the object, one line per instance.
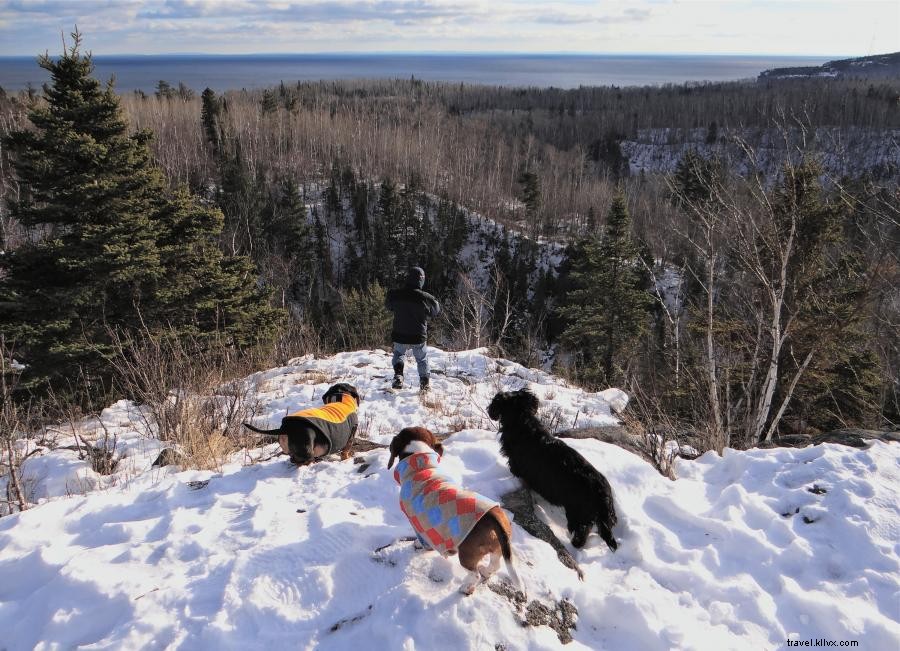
(552, 469)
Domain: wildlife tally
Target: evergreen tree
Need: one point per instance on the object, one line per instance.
(289, 236)
(164, 90)
(362, 320)
(240, 199)
(387, 233)
(365, 265)
(531, 194)
(695, 178)
(268, 104)
(322, 243)
(827, 286)
(412, 230)
(606, 308)
(205, 294)
(88, 193)
(210, 114)
(108, 248)
(334, 207)
(591, 222)
(285, 224)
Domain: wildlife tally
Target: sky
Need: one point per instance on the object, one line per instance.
(797, 27)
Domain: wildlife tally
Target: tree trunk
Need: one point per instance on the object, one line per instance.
(14, 478)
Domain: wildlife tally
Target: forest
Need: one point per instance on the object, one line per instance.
(734, 306)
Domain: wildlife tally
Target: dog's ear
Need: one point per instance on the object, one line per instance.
(437, 447)
(335, 392)
(496, 406)
(529, 401)
(394, 452)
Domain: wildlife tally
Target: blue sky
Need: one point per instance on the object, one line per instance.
(801, 27)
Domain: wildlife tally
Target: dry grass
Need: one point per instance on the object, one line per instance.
(15, 418)
(313, 376)
(190, 396)
(451, 411)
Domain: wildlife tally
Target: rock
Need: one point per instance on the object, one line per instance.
(851, 437)
(169, 457)
(617, 435)
(521, 503)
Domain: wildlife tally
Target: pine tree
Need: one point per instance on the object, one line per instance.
(108, 247)
(362, 320)
(164, 90)
(286, 225)
(695, 178)
(210, 114)
(531, 194)
(240, 199)
(205, 294)
(606, 309)
(387, 233)
(822, 348)
(268, 104)
(88, 195)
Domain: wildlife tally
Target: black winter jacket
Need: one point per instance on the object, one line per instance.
(412, 308)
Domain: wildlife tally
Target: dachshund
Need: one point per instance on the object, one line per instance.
(310, 434)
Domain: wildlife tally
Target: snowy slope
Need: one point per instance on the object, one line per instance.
(745, 551)
(843, 152)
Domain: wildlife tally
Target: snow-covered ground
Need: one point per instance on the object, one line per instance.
(842, 152)
(745, 551)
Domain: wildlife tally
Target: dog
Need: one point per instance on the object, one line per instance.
(446, 517)
(310, 434)
(552, 469)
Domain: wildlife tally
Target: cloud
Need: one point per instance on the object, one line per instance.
(564, 16)
(68, 8)
(148, 26)
(396, 11)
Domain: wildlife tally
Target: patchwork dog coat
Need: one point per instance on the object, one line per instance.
(441, 512)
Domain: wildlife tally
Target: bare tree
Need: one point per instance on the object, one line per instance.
(14, 418)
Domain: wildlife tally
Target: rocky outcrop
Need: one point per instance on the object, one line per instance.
(879, 66)
(842, 151)
(856, 438)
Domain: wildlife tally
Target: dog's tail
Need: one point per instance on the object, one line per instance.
(267, 432)
(606, 520)
(503, 529)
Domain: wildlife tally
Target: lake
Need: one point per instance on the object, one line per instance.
(562, 71)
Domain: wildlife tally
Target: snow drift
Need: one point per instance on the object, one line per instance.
(744, 551)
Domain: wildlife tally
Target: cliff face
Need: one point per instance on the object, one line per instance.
(879, 66)
(842, 151)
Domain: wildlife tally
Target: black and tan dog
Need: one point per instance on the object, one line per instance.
(312, 433)
(552, 469)
(446, 517)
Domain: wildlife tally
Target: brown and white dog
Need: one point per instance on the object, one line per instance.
(445, 516)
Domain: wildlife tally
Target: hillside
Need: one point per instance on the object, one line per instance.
(744, 551)
(879, 66)
(844, 153)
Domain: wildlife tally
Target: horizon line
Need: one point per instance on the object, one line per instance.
(462, 53)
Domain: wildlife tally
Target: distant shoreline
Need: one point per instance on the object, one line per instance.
(226, 72)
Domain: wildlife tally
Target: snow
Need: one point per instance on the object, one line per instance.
(841, 152)
(743, 551)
